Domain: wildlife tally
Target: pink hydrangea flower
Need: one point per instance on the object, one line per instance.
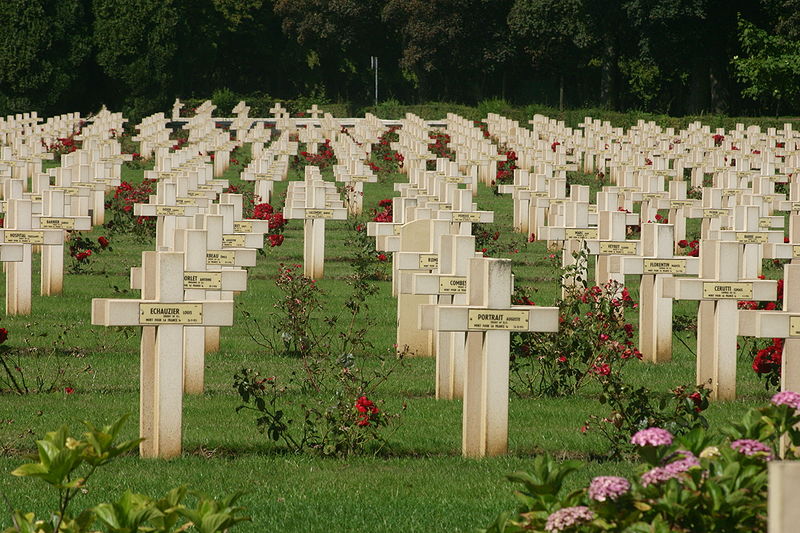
(787, 397)
(751, 447)
(604, 488)
(568, 517)
(652, 437)
(673, 470)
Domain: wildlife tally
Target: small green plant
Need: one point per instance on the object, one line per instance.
(593, 342)
(329, 406)
(66, 464)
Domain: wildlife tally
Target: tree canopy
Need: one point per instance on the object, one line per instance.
(667, 56)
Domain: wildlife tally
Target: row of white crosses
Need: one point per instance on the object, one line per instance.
(314, 201)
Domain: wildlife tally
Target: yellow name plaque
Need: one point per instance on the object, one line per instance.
(746, 237)
(170, 313)
(453, 284)
(202, 280)
(243, 227)
(466, 217)
(794, 326)
(319, 213)
(617, 248)
(580, 233)
(170, 210)
(677, 204)
(664, 266)
(360, 178)
(796, 250)
(184, 200)
(220, 257)
(502, 319)
(67, 190)
(714, 213)
(24, 237)
(232, 240)
(765, 223)
(428, 261)
(713, 290)
(454, 179)
(57, 223)
(198, 194)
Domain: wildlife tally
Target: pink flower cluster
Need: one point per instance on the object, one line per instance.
(652, 437)
(751, 447)
(568, 517)
(787, 397)
(673, 470)
(604, 488)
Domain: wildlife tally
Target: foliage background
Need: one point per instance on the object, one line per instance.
(664, 56)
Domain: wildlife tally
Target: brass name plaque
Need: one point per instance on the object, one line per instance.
(57, 223)
(677, 204)
(198, 194)
(502, 319)
(361, 178)
(221, 257)
(713, 290)
(454, 179)
(182, 200)
(796, 250)
(539, 194)
(24, 237)
(396, 228)
(765, 222)
(428, 261)
(745, 237)
(319, 213)
(232, 240)
(580, 233)
(202, 280)
(170, 210)
(664, 266)
(794, 326)
(453, 284)
(653, 195)
(243, 227)
(714, 213)
(466, 217)
(618, 248)
(170, 313)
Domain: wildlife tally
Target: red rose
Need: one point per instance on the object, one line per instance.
(103, 242)
(3, 335)
(275, 240)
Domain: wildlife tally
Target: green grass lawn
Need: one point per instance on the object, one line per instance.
(420, 483)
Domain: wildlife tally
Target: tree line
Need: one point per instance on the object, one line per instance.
(666, 56)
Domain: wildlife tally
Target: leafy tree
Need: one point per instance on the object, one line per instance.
(555, 34)
(448, 47)
(137, 49)
(40, 53)
(770, 71)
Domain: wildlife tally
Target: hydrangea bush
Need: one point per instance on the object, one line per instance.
(695, 482)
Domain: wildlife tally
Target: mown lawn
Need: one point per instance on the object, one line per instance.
(419, 483)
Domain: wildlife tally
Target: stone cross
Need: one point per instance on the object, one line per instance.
(163, 314)
(718, 290)
(53, 217)
(171, 216)
(783, 324)
(418, 252)
(488, 320)
(449, 284)
(656, 263)
(19, 230)
(783, 513)
(314, 214)
(314, 112)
